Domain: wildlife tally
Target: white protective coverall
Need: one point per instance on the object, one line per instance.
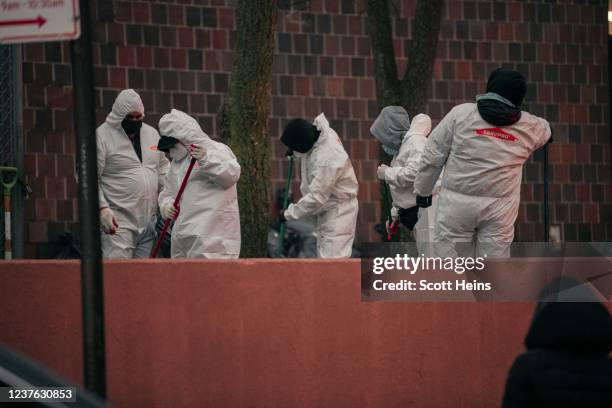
(401, 175)
(208, 224)
(128, 186)
(329, 193)
(480, 194)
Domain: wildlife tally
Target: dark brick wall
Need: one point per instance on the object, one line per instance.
(179, 54)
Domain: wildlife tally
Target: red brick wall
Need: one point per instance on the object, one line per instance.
(178, 54)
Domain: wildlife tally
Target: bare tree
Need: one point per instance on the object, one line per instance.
(243, 119)
(411, 90)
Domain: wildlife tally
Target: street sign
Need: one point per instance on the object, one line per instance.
(38, 20)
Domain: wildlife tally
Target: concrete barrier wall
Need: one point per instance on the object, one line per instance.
(262, 333)
(40, 313)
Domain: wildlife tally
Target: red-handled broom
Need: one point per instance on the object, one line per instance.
(177, 201)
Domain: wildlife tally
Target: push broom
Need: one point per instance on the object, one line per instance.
(8, 178)
(393, 224)
(177, 201)
(281, 237)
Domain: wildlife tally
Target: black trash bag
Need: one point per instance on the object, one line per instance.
(300, 240)
(409, 216)
(70, 247)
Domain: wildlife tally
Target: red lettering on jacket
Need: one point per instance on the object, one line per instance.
(497, 133)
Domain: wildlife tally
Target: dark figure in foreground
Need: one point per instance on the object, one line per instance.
(567, 362)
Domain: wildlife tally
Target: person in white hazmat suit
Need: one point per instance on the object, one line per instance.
(207, 221)
(328, 185)
(483, 146)
(130, 176)
(405, 140)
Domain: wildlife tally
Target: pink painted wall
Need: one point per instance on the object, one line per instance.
(262, 333)
(40, 313)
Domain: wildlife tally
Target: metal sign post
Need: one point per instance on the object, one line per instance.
(11, 142)
(92, 284)
(31, 21)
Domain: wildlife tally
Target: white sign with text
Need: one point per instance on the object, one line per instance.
(38, 20)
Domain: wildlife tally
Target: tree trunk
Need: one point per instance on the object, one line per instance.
(411, 91)
(422, 54)
(385, 69)
(243, 120)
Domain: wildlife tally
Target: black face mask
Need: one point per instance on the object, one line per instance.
(131, 126)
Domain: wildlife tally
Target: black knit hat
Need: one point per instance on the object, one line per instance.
(509, 84)
(300, 135)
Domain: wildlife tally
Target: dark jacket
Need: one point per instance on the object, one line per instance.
(567, 362)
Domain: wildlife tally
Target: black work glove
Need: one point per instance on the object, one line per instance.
(423, 202)
(281, 217)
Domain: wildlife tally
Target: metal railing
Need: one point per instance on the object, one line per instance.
(11, 138)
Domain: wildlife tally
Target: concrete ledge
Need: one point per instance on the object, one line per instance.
(262, 333)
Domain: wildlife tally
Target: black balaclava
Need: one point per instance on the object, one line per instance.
(512, 86)
(132, 129)
(131, 126)
(300, 135)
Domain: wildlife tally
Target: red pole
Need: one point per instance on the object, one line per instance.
(177, 200)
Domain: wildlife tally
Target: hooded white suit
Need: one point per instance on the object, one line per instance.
(128, 186)
(329, 193)
(481, 185)
(208, 224)
(401, 175)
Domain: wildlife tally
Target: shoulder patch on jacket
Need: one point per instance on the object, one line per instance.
(497, 133)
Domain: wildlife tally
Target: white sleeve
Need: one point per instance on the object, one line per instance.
(101, 159)
(220, 165)
(542, 132)
(404, 175)
(319, 190)
(163, 167)
(170, 186)
(434, 156)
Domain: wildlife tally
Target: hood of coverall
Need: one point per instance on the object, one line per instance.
(182, 127)
(500, 106)
(420, 125)
(127, 101)
(577, 322)
(390, 127)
